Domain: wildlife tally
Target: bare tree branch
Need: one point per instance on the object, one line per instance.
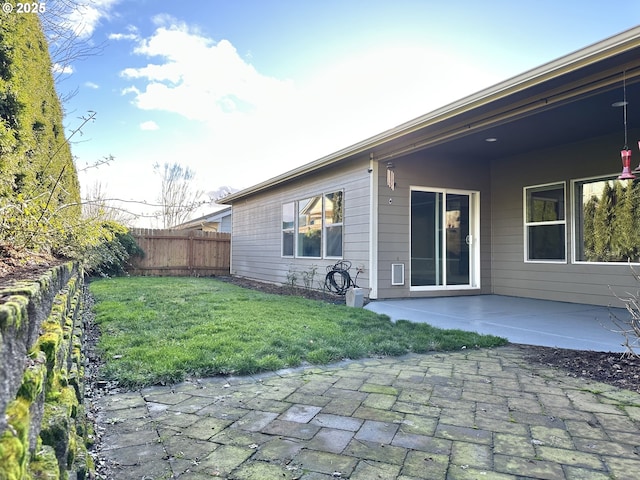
(177, 197)
(68, 37)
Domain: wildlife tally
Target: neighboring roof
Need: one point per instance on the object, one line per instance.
(565, 100)
(213, 217)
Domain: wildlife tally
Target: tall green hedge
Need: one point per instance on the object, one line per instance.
(39, 188)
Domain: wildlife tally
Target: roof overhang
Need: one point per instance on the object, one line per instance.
(564, 101)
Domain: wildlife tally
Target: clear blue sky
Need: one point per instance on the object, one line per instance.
(240, 91)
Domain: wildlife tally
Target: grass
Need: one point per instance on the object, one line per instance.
(163, 330)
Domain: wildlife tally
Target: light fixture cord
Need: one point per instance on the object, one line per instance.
(624, 107)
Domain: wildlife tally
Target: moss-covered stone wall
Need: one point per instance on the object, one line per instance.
(43, 428)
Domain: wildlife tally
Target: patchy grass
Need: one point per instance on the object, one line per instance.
(162, 330)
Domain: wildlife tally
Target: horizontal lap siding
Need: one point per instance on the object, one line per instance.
(394, 233)
(256, 246)
(581, 283)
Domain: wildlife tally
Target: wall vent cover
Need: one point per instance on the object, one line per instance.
(397, 274)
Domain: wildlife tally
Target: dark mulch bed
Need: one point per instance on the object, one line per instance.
(18, 265)
(278, 289)
(615, 369)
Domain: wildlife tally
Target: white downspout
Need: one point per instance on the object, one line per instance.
(373, 227)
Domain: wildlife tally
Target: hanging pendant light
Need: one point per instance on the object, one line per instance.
(625, 153)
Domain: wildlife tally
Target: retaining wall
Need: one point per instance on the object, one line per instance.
(43, 428)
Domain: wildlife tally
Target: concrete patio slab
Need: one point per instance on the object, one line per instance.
(520, 320)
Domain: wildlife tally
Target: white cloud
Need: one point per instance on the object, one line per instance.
(149, 125)
(131, 89)
(262, 126)
(58, 69)
(199, 79)
(93, 86)
(85, 17)
(167, 20)
(122, 36)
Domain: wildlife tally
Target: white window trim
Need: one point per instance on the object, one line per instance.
(296, 219)
(528, 224)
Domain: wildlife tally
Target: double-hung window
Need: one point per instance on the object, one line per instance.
(313, 227)
(545, 224)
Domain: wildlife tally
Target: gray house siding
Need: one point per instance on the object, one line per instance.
(256, 250)
(564, 102)
(394, 231)
(573, 282)
(225, 224)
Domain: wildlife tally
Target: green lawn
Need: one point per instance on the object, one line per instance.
(162, 330)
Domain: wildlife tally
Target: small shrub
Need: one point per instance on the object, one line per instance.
(292, 277)
(629, 328)
(308, 276)
(110, 257)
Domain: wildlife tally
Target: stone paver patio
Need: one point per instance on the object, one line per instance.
(474, 414)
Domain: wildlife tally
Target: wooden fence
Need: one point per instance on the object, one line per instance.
(181, 253)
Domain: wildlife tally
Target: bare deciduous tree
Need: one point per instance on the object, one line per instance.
(96, 206)
(178, 199)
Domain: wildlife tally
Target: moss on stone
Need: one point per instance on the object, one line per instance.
(34, 377)
(14, 442)
(54, 374)
(44, 465)
(26, 289)
(56, 428)
(73, 447)
(84, 466)
(12, 457)
(49, 342)
(69, 400)
(13, 312)
(56, 382)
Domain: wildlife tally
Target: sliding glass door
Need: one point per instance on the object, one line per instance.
(443, 232)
